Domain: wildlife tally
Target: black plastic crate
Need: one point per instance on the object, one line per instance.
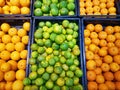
(117, 5)
(19, 15)
(60, 16)
(104, 23)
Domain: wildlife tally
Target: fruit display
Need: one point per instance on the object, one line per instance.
(54, 7)
(54, 61)
(14, 6)
(13, 53)
(97, 7)
(102, 50)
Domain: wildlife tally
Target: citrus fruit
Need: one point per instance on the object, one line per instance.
(17, 85)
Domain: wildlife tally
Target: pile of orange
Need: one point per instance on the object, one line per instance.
(14, 6)
(97, 7)
(102, 47)
(13, 55)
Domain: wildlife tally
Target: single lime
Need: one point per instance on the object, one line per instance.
(48, 43)
(32, 61)
(40, 71)
(38, 35)
(53, 5)
(45, 28)
(50, 30)
(54, 11)
(27, 87)
(76, 80)
(56, 88)
(64, 11)
(69, 82)
(58, 69)
(62, 59)
(76, 62)
(37, 4)
(40, 58)
(52, 61)
(62, 74)
(78, 73)
(49, 85)
(52, 36)
(46, 35)
(65, 67)
(73, 67)
(70, 74)
(42, 88)
(71, 13)
(65, 23)
(26, 81)
(54, 1)
(40, 42)
(41, 50)
(56, 52)
(44, 63)
(71, 25)
(34, 54)
(38, 12)
(34, 87)
(67, 54)
(69, 62)
(49, 69)
(60, 81)
(63, 4)
(49, 50)
(56, 58)
(64, 32)
(75, 34)
(46, 76)
(53, 76)
(58, 29)
(33, 75)
(78, 87)
(59, 39)
(34, 46)
(76, 28)
(47, 2)
(57, 64)
(64, 46)
(71, 6)
(69, 31)
(39, 81)
(41, 24)
(33, 68)
(45, 8)
(71, 44)
(65, 88)
(48, 24)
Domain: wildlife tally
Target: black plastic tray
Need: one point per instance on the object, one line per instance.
(19, 15)
(76, 12)
(117, 5)
(102, 21)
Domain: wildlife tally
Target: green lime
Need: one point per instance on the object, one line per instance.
(67, 54)
(69, 82)
(70, 74)
(76, 80)
(70, 62)
(45, 28)
(33, 67)
(49, 50)
(70, 0)
(71, 26)
(46, 35)
(65, 23)
(60, 81)
(69, 31)
(62, 74)
(32, 61)
(56, 52)
(76, 62)
(40, 42)
(37, 4)
(40, 58)
(62, 59)
(75, 34)
(71, 13)
(56, 58)
(52, 36)
(49, 69)
(78, 87)
(76, 50)
(78, 73)
(46, 76)
(27, 87)
(33, 75)
(34, 87)
(26, 81)
(44, 63)
(59, 39)
(51, 61)
(54, 1)
(64, 11)
(65, 88)
(50, 30)
(71, 44)
(45, 8)
(38, 35)
(63, 4)
(39, 81)
(73, 67)
(65, 67)
(53, 76)
(40, 71)
(63, 31)
(58, 69)
(42, 88)
(57, 64)
(56, 88)
(49, 85)
(54, 11)
(47, 2)
(71, 6)
(41, 24)
(38, 12)
(64, 46)
(48, 43)
(41, 50)
(53, 5)
(34, 54)
(76, 28)
(48, 24)
(58, 29)
(34, 46)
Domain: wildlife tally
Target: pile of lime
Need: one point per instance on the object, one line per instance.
(54, 61)
(54, 7)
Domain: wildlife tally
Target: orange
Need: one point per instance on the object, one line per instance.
(23, 54)
(90, 27)
(93, 35)
(103, 43)
(108, 76)
(89, 55)
(114, 67)
(96, 8)
(15, 2)
(25, 3)
(22, 32)
(92, 85)
(109, 30)
(117, 29)
(6, 8)
(82, 11)
(91, 65)
(22, 64)
(112, 10)
(102, 86)
(100, 78)
(108, 59)
(2, 3)
(102, 5)
(98, 28)
(89, 10)
(117, 35)
(5, 27)
(8, 86)
(2, 47)
(25, 39)
(98, 62)
(88, 4)
(116, 59)
(96, 2)
(117, 76)
(87, 41)
(25, 10)
(1, 62)
(103, 1)
(110, 4)
(97, 13)
(2, 85)
(5, 67)
(20, 74)
(1, 10)
(5, 55)
(1, 76)
(17, 85)
(6, 12)
(2, 33)
(9, 76)
(15, 39)
(110, 44)
(102, 35)
(98, 70)
(12, 31)
(14, 9)
(19, 46)
(13, 65)
(82, 4)
(113, 50)
(92, 47)
(95, 41)
(117, 85)
(6, 38)
(110, 38)
(102, 52)
(10, 47)
(86, 33)
(26, 26)
(15, 55)
(117, 43)
(104, 11)
(91, 75)
(110, 85)
(96, 57)
(105, 47)
(105, 67)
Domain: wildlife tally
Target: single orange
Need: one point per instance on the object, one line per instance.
(15, 39)
(10, 47)
(92, 47)
(89, 55)
(102, 86)
(110, 44)
(88, 4)
(102, 52)
(117, 85)
(110, 38)
(5, 67)
(98, 70)
(91, 65)
(21, 64)
(116, 59)
(19, 46)
(108, 59)
(1, 76)
(15, 55)
(91, 75)
(108, 76)
(114, 67)
(13, 65)
(5, 55)
(20, 74)
(92, 85)
(93, 35)
(98, 62)
(95, 41)
(117, 36)
(25, 10)
(90, 27)
(112, 10)
(109, 30)
(117, 43)
(8, 86)
(110, 85)
(117, 76)
(105, 67)
(104, 11)
(102, 35)
(110, 4)
(113, 50)
(102, 5)
(103, 43)
(12, 31)
(100, 78)
(6, 38)
(117, 29)
(87, 41)
(96, 2)
(86, 33)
